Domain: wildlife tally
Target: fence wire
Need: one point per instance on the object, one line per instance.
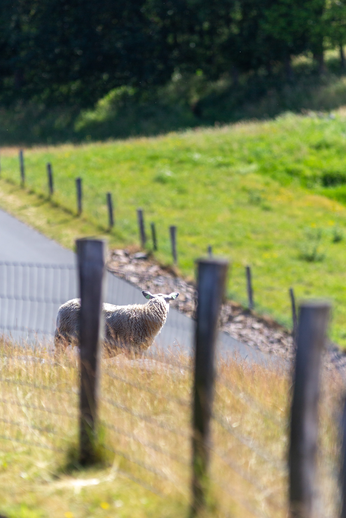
(145, 404)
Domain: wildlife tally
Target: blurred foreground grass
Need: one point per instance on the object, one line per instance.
(145, 416)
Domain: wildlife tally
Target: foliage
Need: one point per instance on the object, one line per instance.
(74, 52)
(337, 234)
(186, 101)
(310, 248)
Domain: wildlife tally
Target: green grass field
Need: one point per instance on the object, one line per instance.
(269, 194)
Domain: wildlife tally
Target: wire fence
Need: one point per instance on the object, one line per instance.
(145, 404)
(31, 294)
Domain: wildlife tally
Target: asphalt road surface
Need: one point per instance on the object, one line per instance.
(37, 275)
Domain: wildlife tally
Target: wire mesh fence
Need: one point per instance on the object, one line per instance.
(145, 405)
(31, 294)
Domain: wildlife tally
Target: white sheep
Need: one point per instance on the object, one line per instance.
(129, 329)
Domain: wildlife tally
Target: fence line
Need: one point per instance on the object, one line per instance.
(147, 444)
(251, 444)
(251, 402)
(31, 444)
(27, 373)
(147, 389)
(36, 407)
(146, 418)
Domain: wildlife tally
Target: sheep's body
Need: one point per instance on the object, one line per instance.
(131, 328)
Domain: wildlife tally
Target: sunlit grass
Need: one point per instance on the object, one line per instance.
(145, 415)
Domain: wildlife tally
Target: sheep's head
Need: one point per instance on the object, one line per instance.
(160, 296)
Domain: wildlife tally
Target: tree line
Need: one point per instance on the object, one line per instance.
(78, 50)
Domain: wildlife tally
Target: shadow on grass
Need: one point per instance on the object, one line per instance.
(185, 102)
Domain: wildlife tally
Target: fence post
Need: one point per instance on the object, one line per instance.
(210, 251)
(249, 287)
(294, 317)
(143, 237)
(312, 329)
(343, 461)
(211, 281)
(22, 168)
(153, 235)
(50, 179)
(110, 210)
(79, 195)
(173, 236)
(91, 265)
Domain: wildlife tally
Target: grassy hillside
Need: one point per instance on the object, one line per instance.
(268, 194)
(146, 416)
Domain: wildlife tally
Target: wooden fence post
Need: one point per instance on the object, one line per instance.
(110, 210)
(294, 317)
(343, 461)
(211, 281)
(79, 195)
(173, 236)
(249, 287)
(143, 237)
(153, 235)
(22, 168)
(50, 179)
(312, 329)
(91, 266)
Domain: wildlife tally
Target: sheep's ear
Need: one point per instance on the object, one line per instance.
(173, 296)
(147, 295)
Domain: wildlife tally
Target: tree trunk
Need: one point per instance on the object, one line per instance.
(18, 79)
(319, 58)
(288, 69)
(269, 69)
(235, 75)
(342, 57)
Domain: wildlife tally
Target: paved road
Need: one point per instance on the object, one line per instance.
(37, 275)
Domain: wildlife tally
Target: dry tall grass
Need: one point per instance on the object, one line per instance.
(145, 413)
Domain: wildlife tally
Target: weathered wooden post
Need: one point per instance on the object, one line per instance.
(211, 283)
(91, 266)
(173, 236)
(79, 195)
(294, 317)
(249, 287)
(22, 168)
(110, 210)
(50, 179)
(312, 329)
(143, 237)
(153, 235)
(343, 461)
(210, 251)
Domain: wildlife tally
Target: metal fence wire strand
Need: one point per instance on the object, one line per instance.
(251, 444)
(243, 396)
(147, 444)
(145, 388)
(9, 403)
(141, 402)
(245, 476)
(148, 418)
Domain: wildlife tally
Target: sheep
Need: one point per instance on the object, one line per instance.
(129, 329)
